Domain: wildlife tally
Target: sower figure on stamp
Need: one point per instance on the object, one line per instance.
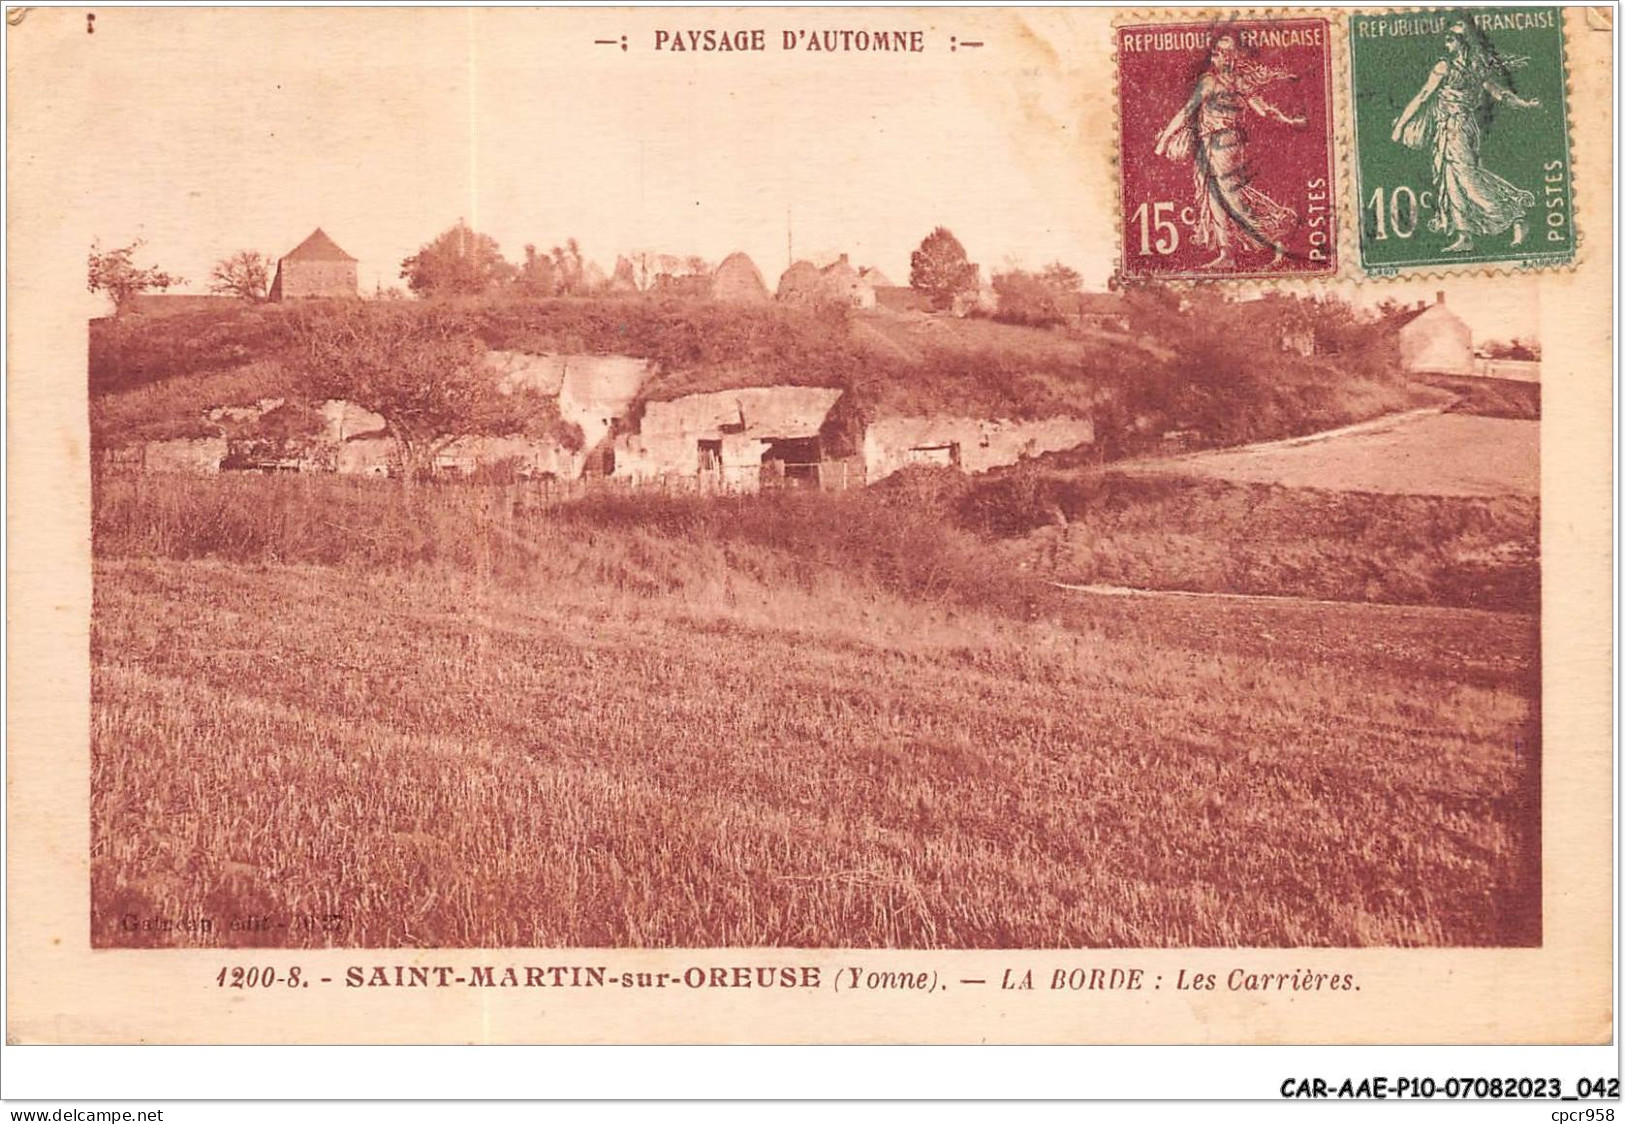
(1447, 115)
(1208, 128)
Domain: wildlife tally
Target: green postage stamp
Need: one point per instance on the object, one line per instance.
(1461, 138)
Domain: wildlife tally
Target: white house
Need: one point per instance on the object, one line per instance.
(1434, 339)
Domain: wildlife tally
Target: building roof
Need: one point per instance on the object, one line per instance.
(841, 270)
(785, 411)
(584, 384)
(755, 411)
(1400, 319)
(318, 247)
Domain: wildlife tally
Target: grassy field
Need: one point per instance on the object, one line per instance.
(1213, 536)
(831, 722)
(1435, 506)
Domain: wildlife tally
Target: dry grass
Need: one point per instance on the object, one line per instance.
(1215, 536)
(178, 407)
(652, 733)
(1491, 397)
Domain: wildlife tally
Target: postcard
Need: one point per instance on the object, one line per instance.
(777, 525)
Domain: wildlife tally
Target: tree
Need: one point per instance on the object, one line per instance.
(569, 268)
(246, 274)
(1038, 299)
(625, 278)
(420, 369)
(940, 268)
(1526, 350)
(1061, 279)
(537, 276)
(460, 262)
(115, 273)
(593, 278)
(1025, 299)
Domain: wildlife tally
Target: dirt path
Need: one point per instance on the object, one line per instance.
(1265, 599)
(1382, 424)
(1426, 451)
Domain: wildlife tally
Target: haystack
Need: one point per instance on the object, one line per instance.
(738, 280)
(801, 283)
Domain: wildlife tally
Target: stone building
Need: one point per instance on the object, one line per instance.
(594, 392)
(844, 285)
(733, 440)
(837, 283)
(970, 445)
(1433, 339)
(315, 268)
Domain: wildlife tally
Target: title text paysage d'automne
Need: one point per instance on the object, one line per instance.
(847, 40)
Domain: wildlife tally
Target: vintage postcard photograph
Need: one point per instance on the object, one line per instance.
(810, 525)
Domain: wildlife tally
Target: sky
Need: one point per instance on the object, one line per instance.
(208, 131)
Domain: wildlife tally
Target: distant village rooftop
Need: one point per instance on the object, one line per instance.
(317, 267)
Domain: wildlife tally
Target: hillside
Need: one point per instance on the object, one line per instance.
(152, 377)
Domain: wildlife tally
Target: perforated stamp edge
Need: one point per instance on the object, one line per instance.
(1336, 112)
(1443, 271)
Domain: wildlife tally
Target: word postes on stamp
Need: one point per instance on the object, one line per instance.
(1225, 147)
(1462, 138)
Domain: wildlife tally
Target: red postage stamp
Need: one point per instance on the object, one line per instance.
(1225, 143)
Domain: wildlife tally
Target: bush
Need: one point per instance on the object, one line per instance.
(883, 536)
(1024, 298)
(171, 408)
(133, 351)
(1210, 536)
(886, 535)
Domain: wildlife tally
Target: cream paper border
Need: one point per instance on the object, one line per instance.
(61, 991)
